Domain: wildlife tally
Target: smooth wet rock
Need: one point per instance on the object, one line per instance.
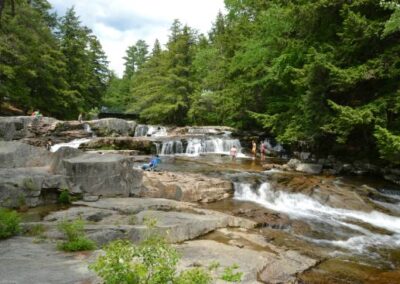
(23, 260)
(185, 187)
(293, 163)
(309, 168)
(265, 218)
(16, 155)
(103, 175)
(113, 127)
(325, 190)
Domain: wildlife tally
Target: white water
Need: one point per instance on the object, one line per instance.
(171, 148)
(72, 144)
(150, 130)
(299, 206)
(198, 146)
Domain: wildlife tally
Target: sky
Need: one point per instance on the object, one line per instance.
(120, 23)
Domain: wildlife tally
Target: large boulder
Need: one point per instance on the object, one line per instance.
(56, 165)
(29, 187)
(113, 127)
(185, 187)
(19, 127)
(17, 154)
(102, 175)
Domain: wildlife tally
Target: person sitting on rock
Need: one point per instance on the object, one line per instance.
(153, 164)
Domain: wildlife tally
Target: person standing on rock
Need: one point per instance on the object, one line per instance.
(80, 118)
(263, 150)
(254, 149)
(49, 143)
(233, 152)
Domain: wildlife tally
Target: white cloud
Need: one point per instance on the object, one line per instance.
(120, 23)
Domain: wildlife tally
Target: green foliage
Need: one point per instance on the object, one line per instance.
(153, 261)
(115, 266)
(388, 144)
(74, 232)
(9, 223)
(64, 197)
(36, 230)
(194, 276)
(231, 275)
(43, 70)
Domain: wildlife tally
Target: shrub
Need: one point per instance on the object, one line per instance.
(230, 275)
(194, 276)
(153, 261)
(64, 197)
(9, 223)
(76, 239)
(36, 230)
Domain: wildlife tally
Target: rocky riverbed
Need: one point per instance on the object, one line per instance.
(281, 223)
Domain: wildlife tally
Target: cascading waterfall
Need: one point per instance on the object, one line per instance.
(141, 130)
(197, 146)
(150, 130)
(357, 238)
(171, 147)
(72, 144)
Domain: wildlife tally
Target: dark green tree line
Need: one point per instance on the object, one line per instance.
(55, 65)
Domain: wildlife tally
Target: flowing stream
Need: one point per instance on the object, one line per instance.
(349, 229)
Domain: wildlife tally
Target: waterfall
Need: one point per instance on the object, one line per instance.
(300, 206)
(171, 147)
(141, 130)
(72, 144)
(150, 130)
(197, 146)
(88, 129)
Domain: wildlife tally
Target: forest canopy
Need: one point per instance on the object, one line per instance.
(322, 73)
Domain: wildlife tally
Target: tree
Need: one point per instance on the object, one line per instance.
(136, 56)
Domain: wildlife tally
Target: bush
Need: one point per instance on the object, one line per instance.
(64, 197)
(230, 275)
(9, 223)
(195, 275)
(76, 239)
(154, 261)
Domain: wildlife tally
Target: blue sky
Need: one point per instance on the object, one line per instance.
(120, 23)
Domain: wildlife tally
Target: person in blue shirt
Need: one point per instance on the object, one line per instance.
(153, 163)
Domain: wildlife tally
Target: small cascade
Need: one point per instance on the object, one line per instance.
(198, 146)
(150, 130)
(157, 131)
(171, 148)
(348, 229)
(88, 129)
(72, 144)
(141, 130)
